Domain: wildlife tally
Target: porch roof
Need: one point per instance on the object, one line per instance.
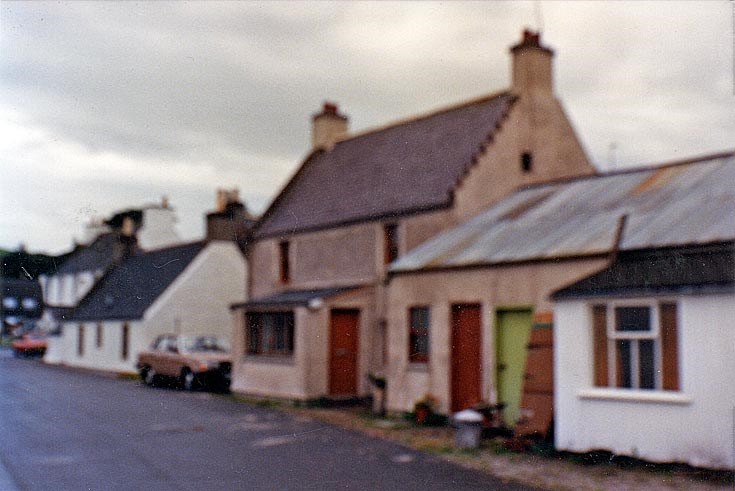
(291, 298)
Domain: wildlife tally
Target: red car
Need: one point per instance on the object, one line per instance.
(30, 345)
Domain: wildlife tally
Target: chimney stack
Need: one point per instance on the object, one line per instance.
(532, 68)
(328, 126)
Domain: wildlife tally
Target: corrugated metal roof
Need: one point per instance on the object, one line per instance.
(676, 204)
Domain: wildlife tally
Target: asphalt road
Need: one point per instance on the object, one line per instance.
(65, 429)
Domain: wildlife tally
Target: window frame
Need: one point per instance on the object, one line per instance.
(282, 333)
(80, 341)
(125, 341)
(98, 341)
(284, 261)
(415, 356)
(655, 334)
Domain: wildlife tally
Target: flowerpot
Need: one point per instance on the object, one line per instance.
(422, 415)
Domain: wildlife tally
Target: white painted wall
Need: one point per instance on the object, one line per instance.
(108, 356)
(693, 425)
(198, 301)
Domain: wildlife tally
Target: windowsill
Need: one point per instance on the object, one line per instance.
(272, 359)
(418, 366)
(633, 395)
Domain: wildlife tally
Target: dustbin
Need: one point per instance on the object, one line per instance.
(469, 428)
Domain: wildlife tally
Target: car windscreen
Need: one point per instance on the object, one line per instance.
(203, 343)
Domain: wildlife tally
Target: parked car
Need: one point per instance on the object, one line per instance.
(190, 361)
(30, 345)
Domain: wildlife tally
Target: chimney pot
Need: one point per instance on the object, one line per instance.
(330, 108)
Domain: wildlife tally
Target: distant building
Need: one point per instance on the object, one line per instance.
(118, 237)
(182, 289)
(22, 304)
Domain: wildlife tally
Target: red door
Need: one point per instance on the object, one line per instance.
(466, 376)
(343, 348)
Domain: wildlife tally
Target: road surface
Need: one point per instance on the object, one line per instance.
(66, 429)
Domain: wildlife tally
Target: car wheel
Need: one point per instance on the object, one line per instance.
(187, 380)
(150, 376)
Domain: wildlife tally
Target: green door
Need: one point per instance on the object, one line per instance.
(513, 329)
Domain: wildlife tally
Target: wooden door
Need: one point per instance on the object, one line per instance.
(343, 350)
(466, 339)
(511, 340)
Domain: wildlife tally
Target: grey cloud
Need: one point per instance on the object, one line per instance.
(233, 85)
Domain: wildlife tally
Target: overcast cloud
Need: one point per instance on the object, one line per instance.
(107, 105)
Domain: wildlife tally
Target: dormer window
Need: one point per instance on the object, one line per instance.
(390, 240)
(526, 162)
(283, 260)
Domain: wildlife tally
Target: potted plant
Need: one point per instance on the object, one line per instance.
(424, 408)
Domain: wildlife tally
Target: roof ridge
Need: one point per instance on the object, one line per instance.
(632, 170)
(425, 115)
(177, 245)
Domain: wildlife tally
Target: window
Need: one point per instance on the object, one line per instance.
(98, 335)
(526, 162)
(10, 303)
(635, 345)
(125, 344)
(285, 266)
(80, 340)
(390, 240)
(29, 303)
(270, 333)
(418, 344)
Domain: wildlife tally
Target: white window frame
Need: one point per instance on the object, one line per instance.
(654, 334)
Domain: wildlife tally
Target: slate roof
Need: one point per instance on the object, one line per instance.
(401, 169)
(127, 290)
(291, 298)
(698, 269)
(689, 202)
(97, 256)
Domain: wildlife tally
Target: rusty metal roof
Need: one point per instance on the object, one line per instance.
(682, 203)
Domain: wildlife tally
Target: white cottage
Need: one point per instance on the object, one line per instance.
(644, 363)
(184, 289)
(105, 242)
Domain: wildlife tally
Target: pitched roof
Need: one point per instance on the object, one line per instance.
(404, 168)
(697, 269)
(96, 256)
(127, 290)
(684, 203)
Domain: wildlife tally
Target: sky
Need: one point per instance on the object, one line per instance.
(106, 106)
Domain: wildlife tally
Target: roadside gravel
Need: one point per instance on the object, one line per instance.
(548, 471)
